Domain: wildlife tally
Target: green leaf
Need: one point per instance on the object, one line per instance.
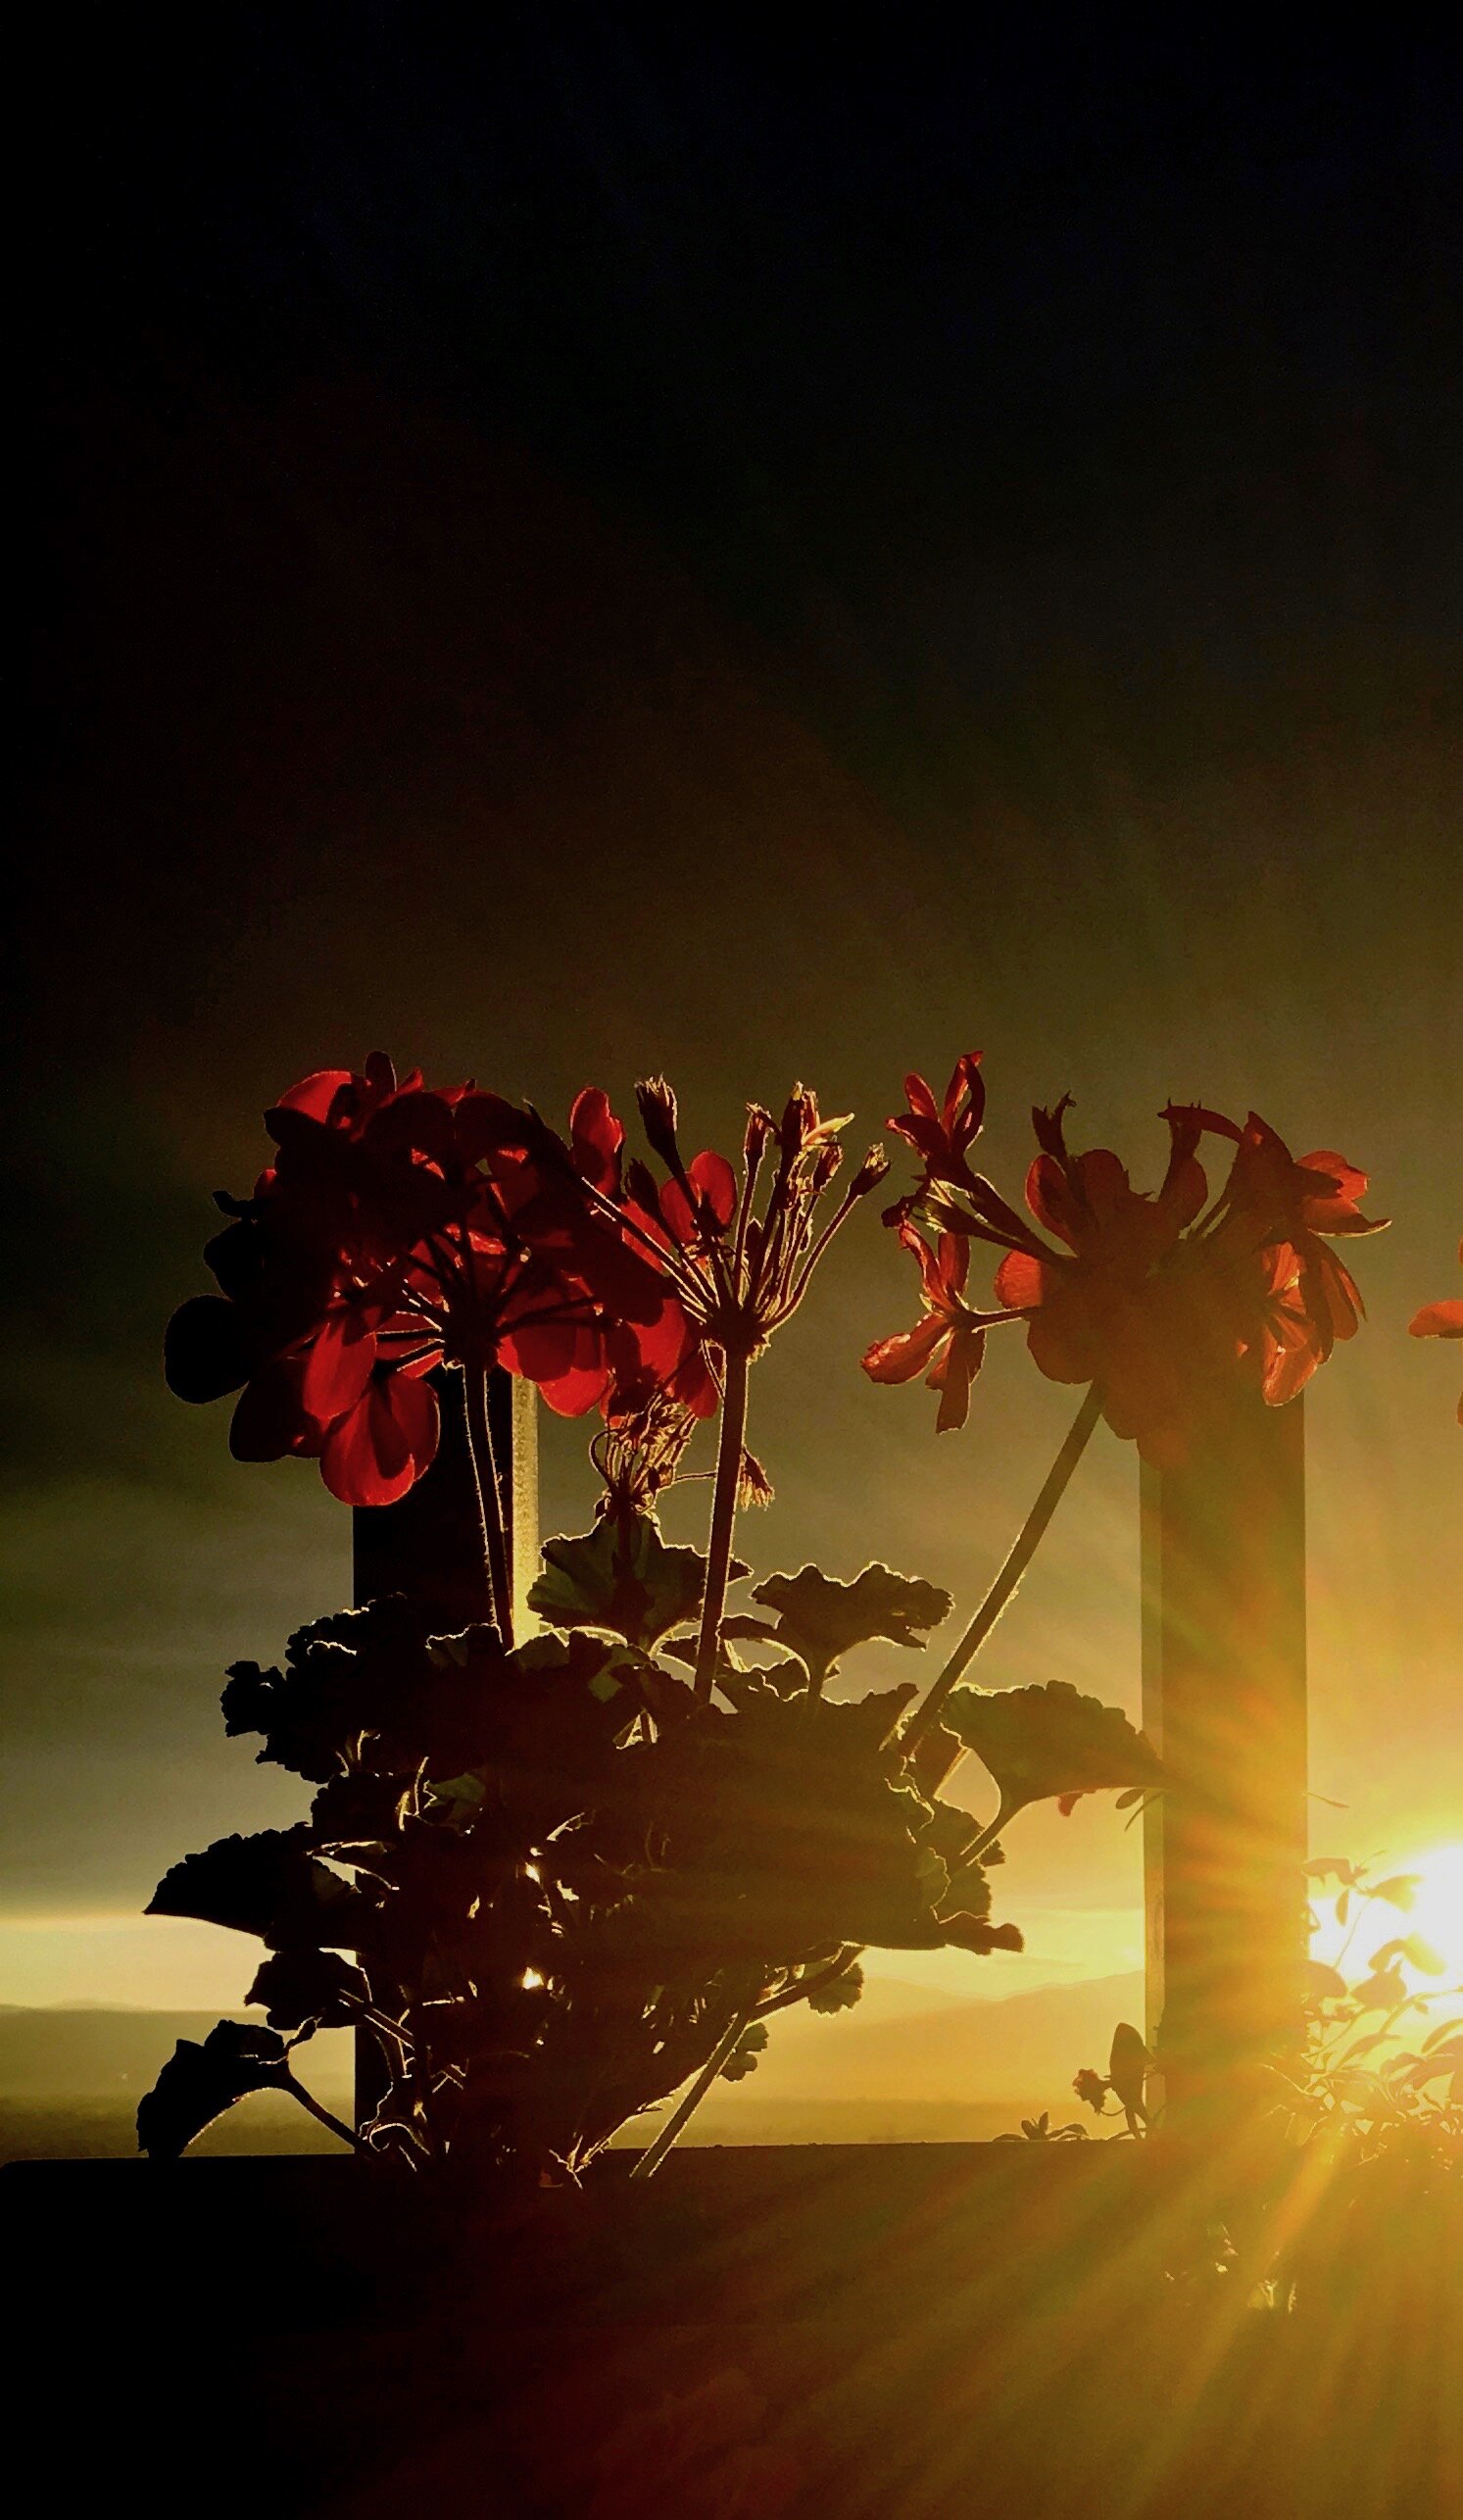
(198, 2082)
(1446, 2059)
(303, 1985)
(837, 1994)
(1385, 1990)
(968, 1933)
(820, 1619)
(1128, 2068)
(622, 1577)
(783, 1829)
(787, 1678)
(1047, 1740)
(1325, 1984)
(743, 2059)
(1411, 1947)
(269, 1885)
(372, 1684)
(1400, 1891)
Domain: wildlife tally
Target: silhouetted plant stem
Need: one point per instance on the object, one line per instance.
(808, 1986)
(489, 1500)
(1019, 1557)
(723, 1518)
(685, 2110)
(307, 2099)
(977, 1847)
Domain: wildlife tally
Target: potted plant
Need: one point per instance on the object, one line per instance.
(561, 1880)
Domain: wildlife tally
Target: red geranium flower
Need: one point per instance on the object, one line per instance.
(399, 1229)
(1161, 1305)
(950, 1340)
(734, 1276)
(940, 1133)
(1145, 1294)
(1440, 1322)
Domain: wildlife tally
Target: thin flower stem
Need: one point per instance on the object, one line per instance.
(977, 1847)
(754, 1165)
(723, 1518)
(1019, 1558)
(851, 1199)
(662, 1251)
(489, 1500)
(681, 2115)
(307, 2099)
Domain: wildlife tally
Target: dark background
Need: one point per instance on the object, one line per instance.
(580, 547)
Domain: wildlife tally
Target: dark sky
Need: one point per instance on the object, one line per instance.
(568, 550)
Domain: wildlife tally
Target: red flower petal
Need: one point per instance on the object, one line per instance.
(1438, 1320)
(955, 1374)
(582, 1388)
(380, 1448)
(663, 1344)
(1021, 1281)
(907, 1353)
(1048, 1196)
(269, 1420)
(713, 1177)
(596, 1137)
(314, 1095)
(1104, 1180)
(964, 1102)
(695, 1386)
(541, 1351)
(338, 1364)
(952, 1261)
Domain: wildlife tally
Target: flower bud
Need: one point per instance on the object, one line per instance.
(659, 1118)
(762, 1128)
(643, 1186)
(873, 1168)
(799, 1117)
(824, 1165)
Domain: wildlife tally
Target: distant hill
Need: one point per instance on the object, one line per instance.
(900, 2068)
(93, 2053)
(1023, 2049)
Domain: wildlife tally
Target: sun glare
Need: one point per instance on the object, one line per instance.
(1436, 1911)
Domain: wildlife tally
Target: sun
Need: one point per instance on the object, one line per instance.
(1436, 1911)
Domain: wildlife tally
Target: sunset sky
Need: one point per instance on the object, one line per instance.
(564, 556)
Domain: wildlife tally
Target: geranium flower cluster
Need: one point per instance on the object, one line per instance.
(1160, 1299)
(398, 1229)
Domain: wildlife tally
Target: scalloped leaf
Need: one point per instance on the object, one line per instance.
(623, 1579)
(305, 1987)
(967, 1931)
(269, 1885)
(837, 1994)
(743, 2059)
(820, 1619)
(198, 2082)
(1048, 1741)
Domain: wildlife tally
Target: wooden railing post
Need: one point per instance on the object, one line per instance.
(1224, 1703)
(429, 1547)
